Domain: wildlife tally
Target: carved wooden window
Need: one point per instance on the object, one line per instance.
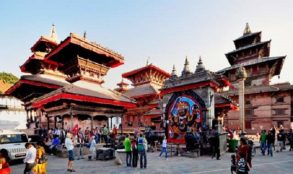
(280, 99)
(280, 112)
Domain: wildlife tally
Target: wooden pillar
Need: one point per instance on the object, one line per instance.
(55, 122)
(48, 122)
(121, 124)
(27, 116)
(71, 118)
(111, 122)
(92, 123)
(108, 122)
(62, 121)
(31, 116)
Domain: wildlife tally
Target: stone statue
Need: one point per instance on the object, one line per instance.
(241, 73)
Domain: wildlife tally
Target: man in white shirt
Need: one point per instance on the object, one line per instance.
(30, 158)
(69, 146)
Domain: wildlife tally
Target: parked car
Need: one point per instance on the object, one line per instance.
(13, 142)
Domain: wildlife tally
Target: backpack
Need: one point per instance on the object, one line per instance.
(43, 159)
(242, 165)
(140, 144)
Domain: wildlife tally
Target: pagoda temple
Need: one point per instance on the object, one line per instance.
(64, 88)
(146, 82)
(266, 105)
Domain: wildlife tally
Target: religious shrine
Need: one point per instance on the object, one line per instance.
(265, 104)
(192, 101)
(64, 88)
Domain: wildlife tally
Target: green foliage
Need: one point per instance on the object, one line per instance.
(8, 77)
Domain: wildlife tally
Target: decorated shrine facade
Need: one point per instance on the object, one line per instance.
(191, 101)
(64, 88)
(266, 104)
(146, 82)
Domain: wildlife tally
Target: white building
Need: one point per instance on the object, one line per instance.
(12, 113)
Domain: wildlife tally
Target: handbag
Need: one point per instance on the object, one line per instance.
(43, 159)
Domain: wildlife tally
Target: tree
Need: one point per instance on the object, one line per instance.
(8, 77)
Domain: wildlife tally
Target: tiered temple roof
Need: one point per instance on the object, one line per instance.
(70, 72)
(146, 81)
(31, 86)
(254, 55)
(200, 78)
(248, 47)
(122, 86)
(85, 92)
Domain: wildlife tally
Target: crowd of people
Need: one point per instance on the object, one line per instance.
(268, 141)
(54, 140)
(136, 148)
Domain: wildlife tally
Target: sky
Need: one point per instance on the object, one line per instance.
(163, 31)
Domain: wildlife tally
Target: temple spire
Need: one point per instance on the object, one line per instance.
(199, 66)
(147, 61)
(84, 35)
(174, 73)
(186, 67)
(246, 29)
(53, 34)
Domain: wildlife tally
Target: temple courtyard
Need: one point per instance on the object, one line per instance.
(281, 163)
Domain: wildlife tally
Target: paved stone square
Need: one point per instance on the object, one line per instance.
(281, 163)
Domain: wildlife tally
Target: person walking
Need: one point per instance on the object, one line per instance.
(114, 132)
(262, 141)
(70, 147)
(270, 142)
(142, 148)
(127, 146)
(280, 138)
(243, 157)
(93, 148)
(105, 134)
(290, 139)
(164, 148)
(41, 160)
(134, 151)
(80, 144)
(30, 158)
(273, 130)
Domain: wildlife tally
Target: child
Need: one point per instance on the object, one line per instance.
(164, 147)
(233, 164)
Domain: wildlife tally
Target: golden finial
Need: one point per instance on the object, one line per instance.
(84, 35)
(247, 29)
(147, 62)
(53, 34)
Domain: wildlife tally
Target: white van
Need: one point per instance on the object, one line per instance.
(14, 143)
